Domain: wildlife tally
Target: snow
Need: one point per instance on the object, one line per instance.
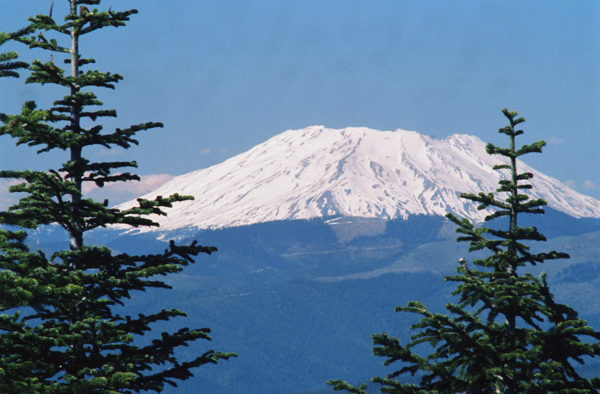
(357, 172)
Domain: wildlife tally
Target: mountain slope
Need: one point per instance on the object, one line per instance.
(290, 296)
(359, 172)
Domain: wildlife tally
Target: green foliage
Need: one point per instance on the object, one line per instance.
(506, 333)
(8, 61)
(59, 329)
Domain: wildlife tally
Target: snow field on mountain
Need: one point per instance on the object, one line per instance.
(316, 172)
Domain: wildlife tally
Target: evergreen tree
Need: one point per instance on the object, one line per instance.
(60, 330)
(506, 334)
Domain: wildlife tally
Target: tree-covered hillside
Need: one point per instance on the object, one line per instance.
(294, 280)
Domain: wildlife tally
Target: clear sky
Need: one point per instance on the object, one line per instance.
(224, 76)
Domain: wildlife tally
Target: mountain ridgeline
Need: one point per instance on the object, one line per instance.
(354, 172)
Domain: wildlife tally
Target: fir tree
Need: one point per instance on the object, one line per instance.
(506, 333)
(59, 326)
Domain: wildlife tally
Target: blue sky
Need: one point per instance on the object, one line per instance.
(224, 76)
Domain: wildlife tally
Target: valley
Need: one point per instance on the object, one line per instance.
(299, 300)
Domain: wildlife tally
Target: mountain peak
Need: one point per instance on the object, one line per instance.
(355, 171)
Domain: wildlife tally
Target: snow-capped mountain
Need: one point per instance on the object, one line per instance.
(359, 172)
